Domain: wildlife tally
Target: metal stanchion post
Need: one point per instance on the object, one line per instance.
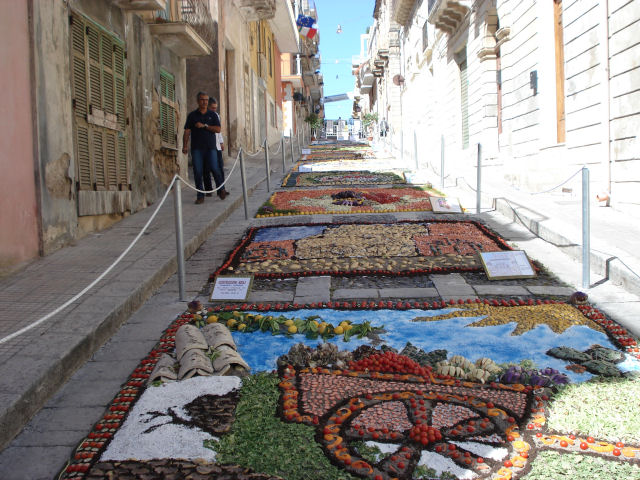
(177, 208)
(586, 244)
(415, 150)
(291, 143)
(266, 161)
(479, 180)
(284, 156)
(244, 186)
(299, 146)
(442, 161)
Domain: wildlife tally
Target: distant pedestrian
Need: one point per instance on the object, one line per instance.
(222, 193)
(384, 128)
(202, 125)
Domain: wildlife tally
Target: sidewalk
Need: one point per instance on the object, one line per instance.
(35, 364)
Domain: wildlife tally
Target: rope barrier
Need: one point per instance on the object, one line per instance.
(100, 277)
(119, 259)
(193, 187)
(551, 189)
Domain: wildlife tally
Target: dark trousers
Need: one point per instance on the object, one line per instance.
(205, 163)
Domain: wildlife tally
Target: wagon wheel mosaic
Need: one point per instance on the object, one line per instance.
(400, 248)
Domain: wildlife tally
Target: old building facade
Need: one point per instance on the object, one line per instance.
(99, 91)
(543, 87)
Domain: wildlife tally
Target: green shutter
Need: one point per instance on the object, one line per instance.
(99, 83)
(83, 158)
(168, 131)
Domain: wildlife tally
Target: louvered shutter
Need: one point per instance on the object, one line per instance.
(98, 78)
(168, 131)
(79, 89)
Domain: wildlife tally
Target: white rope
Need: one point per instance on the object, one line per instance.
(92, 284)
(260, 149)
(193, 187)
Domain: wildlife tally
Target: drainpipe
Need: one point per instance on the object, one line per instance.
(605, 95)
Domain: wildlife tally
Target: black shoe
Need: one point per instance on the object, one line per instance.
(223, 194)
(199, 200)
(209, 194)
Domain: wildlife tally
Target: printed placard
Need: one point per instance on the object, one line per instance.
(306, 151)
(445, 205)
(507, 265)
(231, 288)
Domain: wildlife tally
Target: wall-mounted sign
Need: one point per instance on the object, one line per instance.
(507, 264)
(231, 288)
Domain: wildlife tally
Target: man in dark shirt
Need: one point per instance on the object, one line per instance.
(213, 106)
(201, 126)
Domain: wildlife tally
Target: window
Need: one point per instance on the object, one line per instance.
(270, 60)
(168, 110)
(98, 88)
(272, 113)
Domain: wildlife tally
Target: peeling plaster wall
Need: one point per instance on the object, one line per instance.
(18, 222)
(150, 167)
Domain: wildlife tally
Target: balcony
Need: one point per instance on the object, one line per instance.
(447, 15)
(185, 27)
(284, 29)
(181, 39)
(401, 10)
(142, 5)
(255, 10)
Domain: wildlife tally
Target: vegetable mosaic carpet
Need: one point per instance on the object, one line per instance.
(355, 177)
(353, 200)
(362, 248)
(382, 391)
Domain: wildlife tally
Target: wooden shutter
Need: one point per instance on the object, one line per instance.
(168, 131)
(98, 83)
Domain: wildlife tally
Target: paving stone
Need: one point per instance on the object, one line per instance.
(450, 279)
(86, 393)
(343, 293)
(408, 292)
(313, 286)
(543, 290)
(15, 464)
(51, 419)
(265, 296)
(119, 369)
(500, 290)
(33, 438)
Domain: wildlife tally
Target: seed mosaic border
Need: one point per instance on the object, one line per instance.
(523, 445)
(347, 201)
(455, 263)
(307, 179)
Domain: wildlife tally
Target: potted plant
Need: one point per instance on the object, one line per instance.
(315, 123)
(368, 121)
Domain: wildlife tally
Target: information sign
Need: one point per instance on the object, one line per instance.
(507, 264)
(445, 205)
(306, 151)
(231, 288)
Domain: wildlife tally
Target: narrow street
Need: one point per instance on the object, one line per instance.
(424, 366)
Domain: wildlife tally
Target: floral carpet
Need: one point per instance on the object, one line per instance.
(354, 200)
(362, 248)
(376, 390)
(314, 179)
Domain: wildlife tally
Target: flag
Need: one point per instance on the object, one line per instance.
(307, 32)
(303, 21)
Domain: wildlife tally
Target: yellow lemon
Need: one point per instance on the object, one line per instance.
(212, 319)
(344, 323)
(292, 329)
(348, 327)
(242, 326)
(314, 323)
(338, 330)
(197, 317)
(288, 323)
(231, 322)
(322, 327)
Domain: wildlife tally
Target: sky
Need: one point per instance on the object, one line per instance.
(336, 49)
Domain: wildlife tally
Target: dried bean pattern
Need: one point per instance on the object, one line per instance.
(363, 248)
(400, 409)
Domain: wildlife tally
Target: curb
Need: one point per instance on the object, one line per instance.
(607, 266)
(72, 354)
